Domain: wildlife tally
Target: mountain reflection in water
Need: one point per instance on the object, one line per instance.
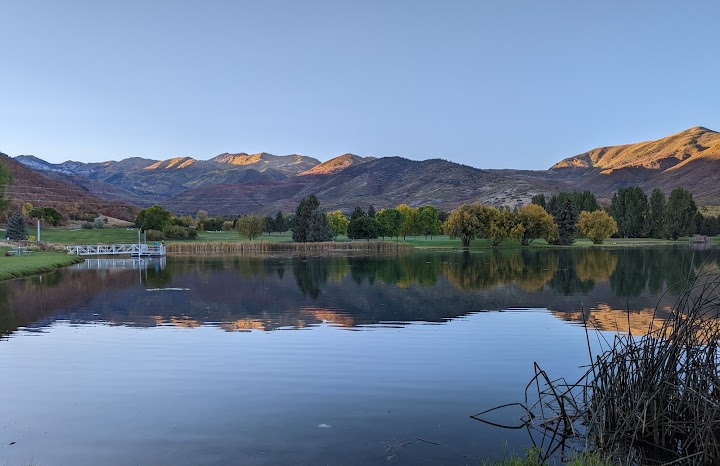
(293, 292)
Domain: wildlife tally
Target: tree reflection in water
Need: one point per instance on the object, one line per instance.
(271, 291)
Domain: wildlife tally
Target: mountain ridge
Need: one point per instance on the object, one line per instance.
(264, 183)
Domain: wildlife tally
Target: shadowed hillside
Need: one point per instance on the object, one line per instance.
(73, 201)
(383, 182)
(265, 183)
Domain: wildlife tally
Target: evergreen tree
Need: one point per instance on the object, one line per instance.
(630, 210)
(371, 212)
(302, 218)
(566, 221)
(17, 227)
(584, 201)
(656, 218)
(279, 224)
(580, 200)
(318, 227)
(357, 213)
(269, 225)
(710, 226)
(698, 223)
(539, 199)
(681, 210)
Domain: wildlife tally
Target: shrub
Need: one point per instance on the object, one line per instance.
(154, 235)
(178, 232)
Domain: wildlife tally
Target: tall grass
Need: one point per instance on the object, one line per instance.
(653, 399)
(220, 248)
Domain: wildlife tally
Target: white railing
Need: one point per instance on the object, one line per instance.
(116, 249)
(120, 263)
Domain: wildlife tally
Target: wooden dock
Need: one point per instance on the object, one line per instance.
(132, 250)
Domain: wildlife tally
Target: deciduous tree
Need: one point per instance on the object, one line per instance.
(153, 218)
(597, 226)
(465, 223)
(535, 223)
(503, 225)
(250, 226)
(428, 221)
(338, 223)
(389, 222)
(409, 220)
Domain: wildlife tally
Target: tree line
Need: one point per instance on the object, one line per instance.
(559, 219)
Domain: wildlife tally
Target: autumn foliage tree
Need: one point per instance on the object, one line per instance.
(338, 223)
(409, 215)
(503, 225)
(535, 222)
(597, 225)
(465, 223)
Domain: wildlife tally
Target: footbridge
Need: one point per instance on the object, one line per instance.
(132, 250)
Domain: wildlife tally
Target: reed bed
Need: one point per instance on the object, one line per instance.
(653, 399)
(221, 248)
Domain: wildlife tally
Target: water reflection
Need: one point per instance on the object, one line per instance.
(293, 292)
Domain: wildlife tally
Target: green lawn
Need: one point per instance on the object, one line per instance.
(121, 235)
(32, 263)
(83, 236)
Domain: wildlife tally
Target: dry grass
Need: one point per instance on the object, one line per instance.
(221, 248)
(712, 210)
(652, 400)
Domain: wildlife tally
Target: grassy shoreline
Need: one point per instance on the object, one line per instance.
(34, 263)
(120, 235)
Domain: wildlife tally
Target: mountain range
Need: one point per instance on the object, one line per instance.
(264, 183)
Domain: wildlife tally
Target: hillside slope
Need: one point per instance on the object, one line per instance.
(145, 181)
(336, 164)
(689, 159)
(384, 182)
(73, 201)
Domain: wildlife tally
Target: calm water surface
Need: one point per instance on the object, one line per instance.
(303, 360)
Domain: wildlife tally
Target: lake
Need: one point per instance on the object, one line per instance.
(305, 360)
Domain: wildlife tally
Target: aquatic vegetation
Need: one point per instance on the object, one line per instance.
(649, 399)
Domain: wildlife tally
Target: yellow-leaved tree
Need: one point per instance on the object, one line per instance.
(338, 223)
(536, 223)
(467, 222)
(597, 225)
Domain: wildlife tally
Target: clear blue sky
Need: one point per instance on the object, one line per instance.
(504, 84)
